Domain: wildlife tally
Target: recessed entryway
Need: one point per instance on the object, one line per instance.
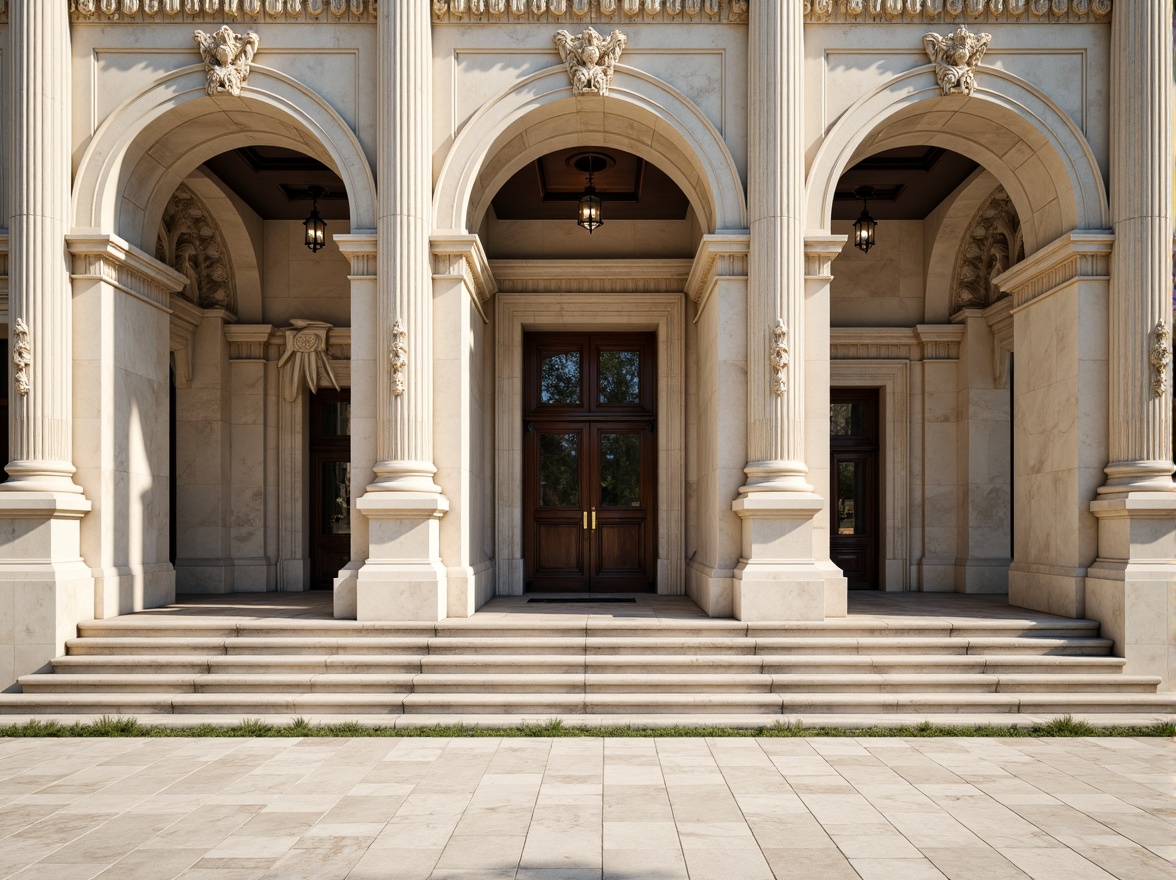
(589, 462)
(330, 485)
(854, 490)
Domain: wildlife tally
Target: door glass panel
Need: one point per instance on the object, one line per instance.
(849, 514)
(559, 470)
(620, 377)
(336, 510)
(336, 419)
(559, 378)
(847, 420)
(620, 470)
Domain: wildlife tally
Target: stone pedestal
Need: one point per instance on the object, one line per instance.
(778, 578)
(403, 578)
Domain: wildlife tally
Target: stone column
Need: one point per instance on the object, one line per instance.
(44, 584)
(777, 577)
(1131, 588)
(404, 578)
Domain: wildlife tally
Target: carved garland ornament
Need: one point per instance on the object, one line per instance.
(227, 58)
(992, 244)
(920, 10)
(712, 9)
(590, 59)
(306, 360)
(192, 244)
(22, 357)
(399, 358)
(1161, 357)
(148, 9)
(779, 358)
(956, 57)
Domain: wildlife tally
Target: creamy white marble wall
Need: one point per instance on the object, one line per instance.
(884, 288)
(299, 284)
(203, 465)
(121, 404)
(253, 570)
(940, 495)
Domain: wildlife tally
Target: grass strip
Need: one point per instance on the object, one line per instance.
(119, 726)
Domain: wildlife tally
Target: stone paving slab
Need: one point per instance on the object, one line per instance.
(624, 809)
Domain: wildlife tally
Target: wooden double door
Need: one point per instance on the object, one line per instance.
(589, 462)
(330, 485)
(853, 452)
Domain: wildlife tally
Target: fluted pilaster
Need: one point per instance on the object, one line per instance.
(404, 379)
(1141, 264)
(40, 391)
(775, 382)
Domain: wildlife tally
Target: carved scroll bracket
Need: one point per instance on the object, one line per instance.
(22, 357)
(1161, 357)
(306, 360)
(780, 358)
(399, 358)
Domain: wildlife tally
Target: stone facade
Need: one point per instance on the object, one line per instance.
(166, 337)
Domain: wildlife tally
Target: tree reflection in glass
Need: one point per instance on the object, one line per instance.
(559, 470)
(620, 377)
(620, 470)
(559, 378)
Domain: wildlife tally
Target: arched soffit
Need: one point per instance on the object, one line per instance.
(244, 250)
(641, 115)
(1008, 126)
(153, 141)
(955, 219)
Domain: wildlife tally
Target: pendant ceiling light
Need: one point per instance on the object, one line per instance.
(866, 227)
(590, 215)
(316, 227)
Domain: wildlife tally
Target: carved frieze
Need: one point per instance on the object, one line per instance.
(956, 58)
(306, 359)
(221, 10)
(992, 244)
(465, 11)
(191, 243)
(840, 11)
(227, 59)
(22, 357)
(1161, 357)
(590, 59)
(399, 358)
(780, 358)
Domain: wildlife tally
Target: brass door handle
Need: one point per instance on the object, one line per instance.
(594, 519)
(585, 519)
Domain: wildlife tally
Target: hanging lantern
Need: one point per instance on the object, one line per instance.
(866, 227)
(316, 227)
(590, 214)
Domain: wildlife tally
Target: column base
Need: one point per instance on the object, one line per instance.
(1131, 588)
(778, 578)
(403, 578)
(45, 587)
(1053, 589)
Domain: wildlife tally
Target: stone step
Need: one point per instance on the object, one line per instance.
(628, 646)
(390, 664)
(624, 706)
(572, 683)
(149, 627)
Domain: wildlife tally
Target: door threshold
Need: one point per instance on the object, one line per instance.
(583, 600)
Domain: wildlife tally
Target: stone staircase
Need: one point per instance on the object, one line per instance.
(590, 670)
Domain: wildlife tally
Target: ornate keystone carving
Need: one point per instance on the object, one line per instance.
(955, 58)
(22, 356)
(227, 57)
(590, 59)
(780, 358)
(306, 359)
(399, 358)
(1161, 357)
(992, 244)
(191, 243)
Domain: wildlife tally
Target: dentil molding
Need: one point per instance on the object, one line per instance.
(841, 11)
(467, 11)
(104, 11)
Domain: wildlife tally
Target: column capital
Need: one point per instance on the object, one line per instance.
(820, 250)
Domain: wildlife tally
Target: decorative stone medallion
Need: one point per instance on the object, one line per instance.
(956, 57)
(305, 360)
(227, 58)
(590, 59)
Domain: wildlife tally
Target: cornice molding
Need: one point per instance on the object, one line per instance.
(132, 11)
(589, 11)
(1073, 256)
(937, 11)
(591, 276)
(110, 259)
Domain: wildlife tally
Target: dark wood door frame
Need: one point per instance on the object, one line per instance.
(855, 484)
(599, 535)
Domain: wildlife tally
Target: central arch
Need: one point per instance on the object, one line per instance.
(538, 115)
